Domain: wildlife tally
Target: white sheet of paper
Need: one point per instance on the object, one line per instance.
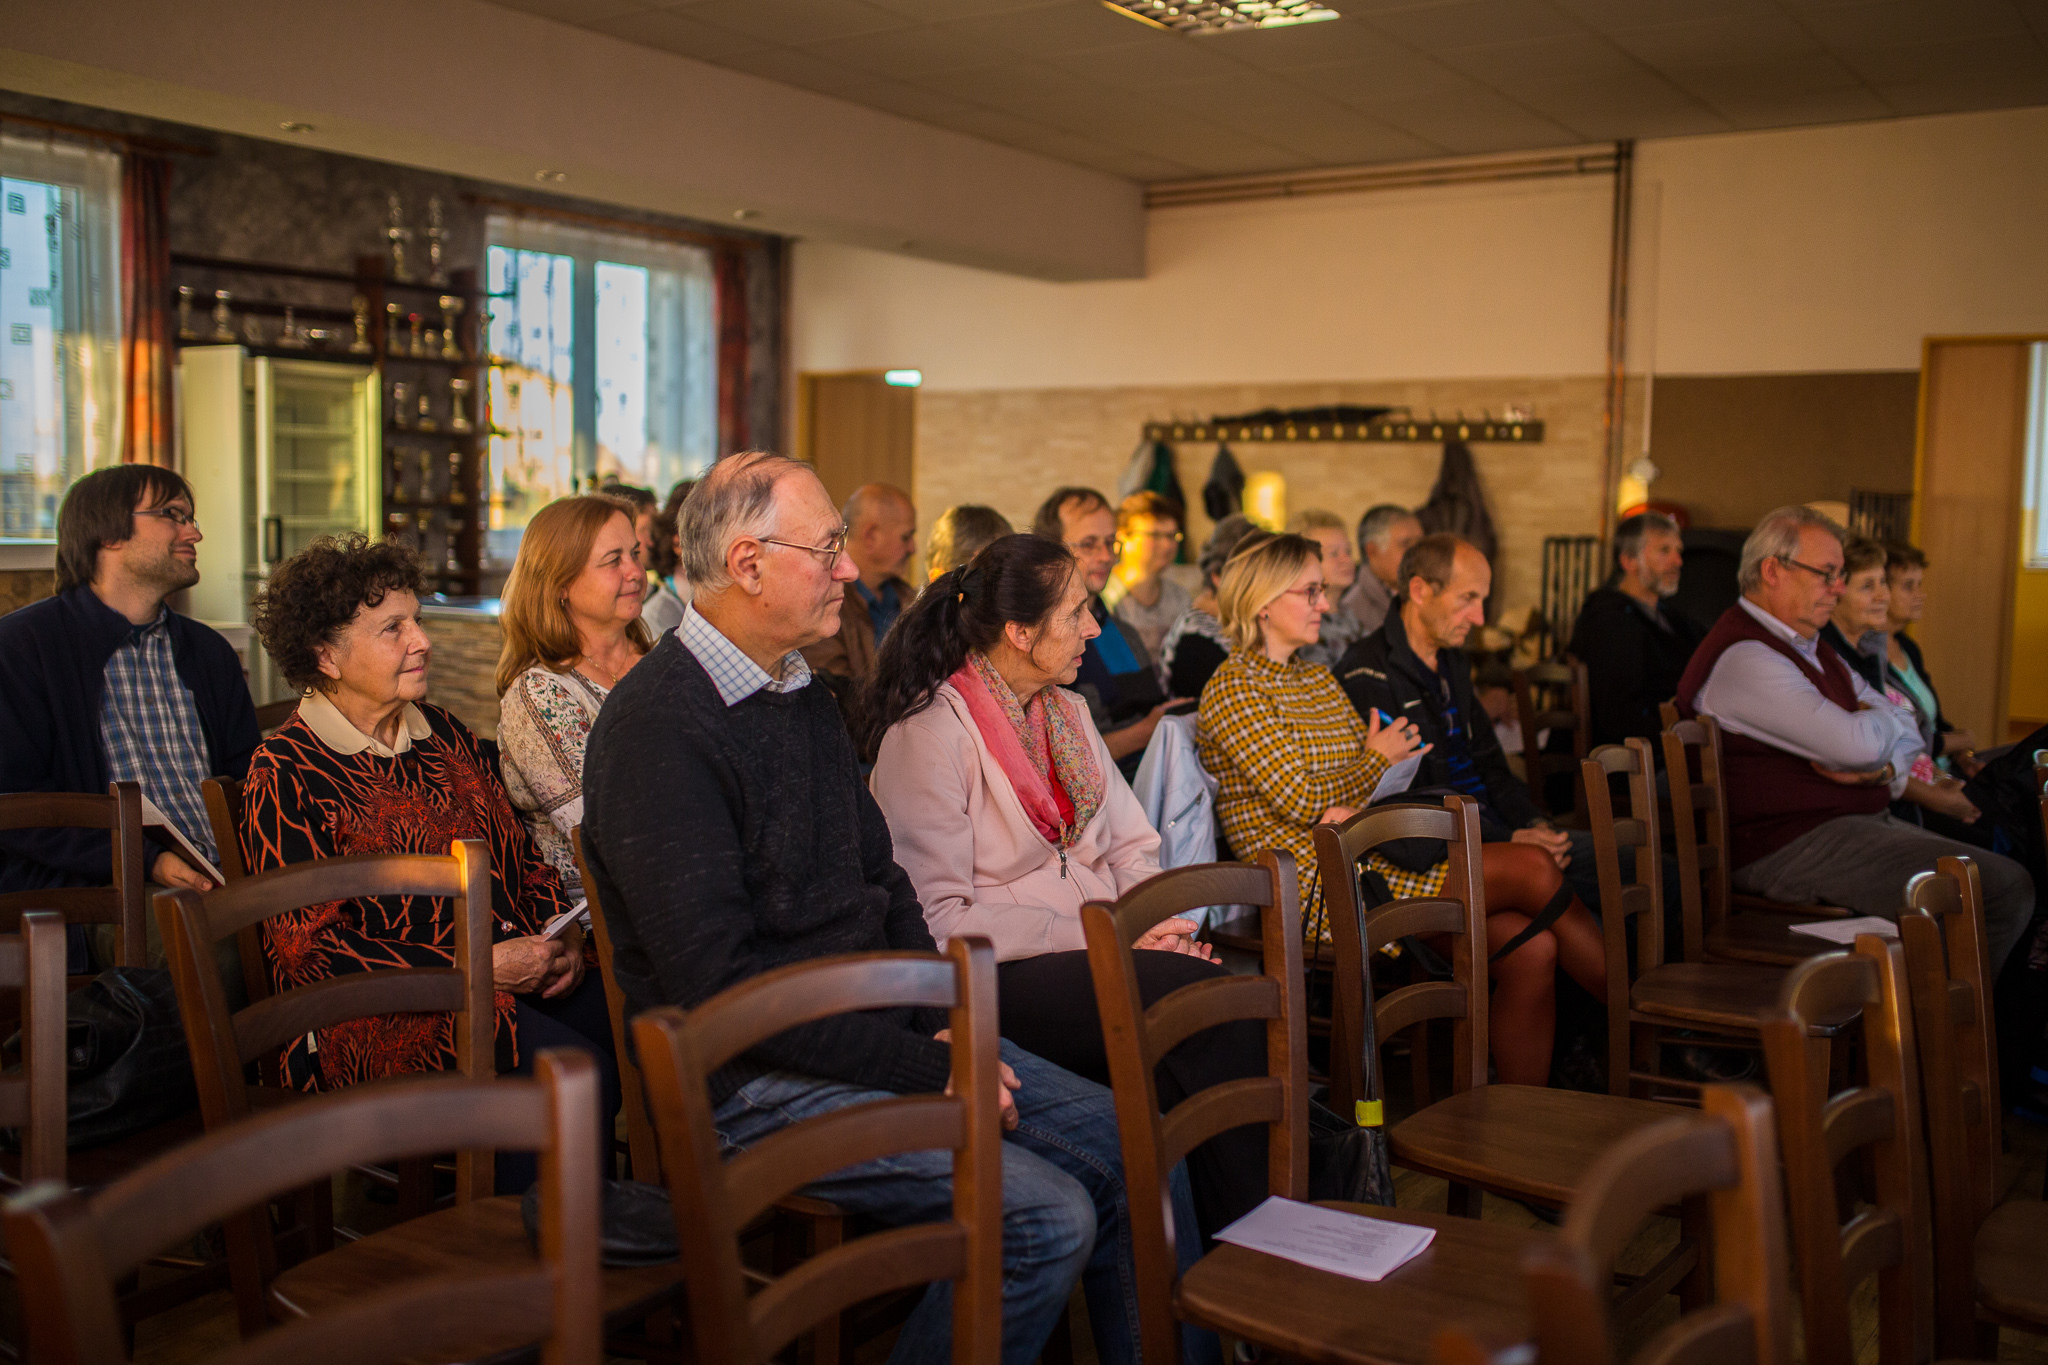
(152, 814)
(579, 913)
(1396, 779)
(1844, 931)
(1348, 1244)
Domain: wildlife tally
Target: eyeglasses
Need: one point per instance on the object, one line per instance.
(1174, 536)
(1096, 545)
(1313, 593)
(830, 551)
(1829, 578)
(176, 516)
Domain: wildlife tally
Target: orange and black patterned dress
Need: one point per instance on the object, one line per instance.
(302, 800)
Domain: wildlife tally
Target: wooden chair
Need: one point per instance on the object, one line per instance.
(124, 902)
(817, 1226)
(1563, 679)
(1729, 1155)
(69, 1248)
(1721, 924)
(271, 716)
(1875, 1121)
(1649, 996)
(32, 1102)
(1519, 1141)
(1284, 1307)
(1989, 1266)
(715, 1199)
(478, 1228)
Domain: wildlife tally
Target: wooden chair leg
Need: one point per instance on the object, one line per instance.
(1464, 1201)
(831, 1343)
(415, 1188)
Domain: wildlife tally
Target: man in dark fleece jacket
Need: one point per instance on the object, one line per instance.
(729, 833)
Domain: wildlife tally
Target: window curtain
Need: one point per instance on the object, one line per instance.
(147, 344)
(733, 351)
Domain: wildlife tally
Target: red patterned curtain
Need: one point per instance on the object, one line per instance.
(147, 342)
(731, 268)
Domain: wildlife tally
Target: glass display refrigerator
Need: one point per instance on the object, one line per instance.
(278, 452)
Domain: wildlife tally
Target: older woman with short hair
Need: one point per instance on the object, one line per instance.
(573, 627)
(366, 765)
(961, 533)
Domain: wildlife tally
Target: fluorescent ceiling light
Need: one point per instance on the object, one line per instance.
(1221, 16)
(904, 379)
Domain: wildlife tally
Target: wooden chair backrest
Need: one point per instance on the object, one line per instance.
(32, 1101)
(1564, 675)
(641, 1143)
(224, 812)
(2041, 786)
(124, 901)
(1879, 1116)
(1135, 1039)
(1946, 964)
(1699, 820)
(271, 716)
(715, 1199)
(1638, 897)
(70, 1250)
(1730, 1154)
(1357, 933)
(223, 1042)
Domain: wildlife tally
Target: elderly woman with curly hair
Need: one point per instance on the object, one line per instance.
(366, 765)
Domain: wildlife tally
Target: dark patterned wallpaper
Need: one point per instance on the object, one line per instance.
(251, 199)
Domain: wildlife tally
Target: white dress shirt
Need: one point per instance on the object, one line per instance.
(1753, 690)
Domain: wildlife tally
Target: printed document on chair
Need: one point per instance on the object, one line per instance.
(1844, 931)
(1349, 1244)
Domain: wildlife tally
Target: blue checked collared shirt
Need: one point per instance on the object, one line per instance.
(735, 675)
(150, 730)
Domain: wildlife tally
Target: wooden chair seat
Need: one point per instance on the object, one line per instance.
(2012, 1265)
(482, 1237)
(1521, 1141)
(1709, 995)
(1765, 938)
(1470, 1274)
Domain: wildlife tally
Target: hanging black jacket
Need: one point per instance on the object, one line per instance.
(1382, 671)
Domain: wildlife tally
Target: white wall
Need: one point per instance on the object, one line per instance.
(1817, 249)
(489, 92)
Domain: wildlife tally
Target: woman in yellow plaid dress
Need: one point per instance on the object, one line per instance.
(1289, 752)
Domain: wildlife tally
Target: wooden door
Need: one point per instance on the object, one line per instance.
(1969, 486)
(856, 429)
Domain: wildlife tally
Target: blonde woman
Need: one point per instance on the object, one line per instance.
(1283, 741)
(572, 626)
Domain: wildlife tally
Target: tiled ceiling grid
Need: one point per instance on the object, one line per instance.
(1390, 80)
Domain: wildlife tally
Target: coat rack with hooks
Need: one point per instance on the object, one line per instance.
(1395, 428)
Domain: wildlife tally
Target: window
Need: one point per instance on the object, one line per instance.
(2036, 525)
(60, 325)
(603, 363)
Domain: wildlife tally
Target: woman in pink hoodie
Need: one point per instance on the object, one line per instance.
(1008, 813)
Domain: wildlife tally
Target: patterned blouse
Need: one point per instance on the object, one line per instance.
(305, 798)
(544, 721)
(1285, 744)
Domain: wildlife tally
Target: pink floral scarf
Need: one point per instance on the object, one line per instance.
(1031, 744)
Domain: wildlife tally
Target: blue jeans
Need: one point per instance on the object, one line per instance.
(1065, 1212)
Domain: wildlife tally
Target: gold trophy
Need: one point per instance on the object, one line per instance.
(436, 273)
(426, 477)
(418, 349)
(451, 335)
(361, 345)
(185, 329)
(394, 344)
(290, 338)
(455, 493)
(401, 405)
(399, 235)
(223, 321)
(426, 420)
(458, 406)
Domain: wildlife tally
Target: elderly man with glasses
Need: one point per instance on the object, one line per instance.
(1117, 678)
(728, 833)
(1811, 755)
(104, 682)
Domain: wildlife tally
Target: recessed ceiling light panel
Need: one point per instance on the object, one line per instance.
(1221, 16)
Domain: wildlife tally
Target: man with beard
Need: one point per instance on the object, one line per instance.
(105, 683)
(1634, 646)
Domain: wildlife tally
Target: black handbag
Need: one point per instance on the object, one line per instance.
(1347, 1161)
(126, 1065)
(635, 1224)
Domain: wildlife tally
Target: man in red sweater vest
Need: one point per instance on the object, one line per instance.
(1811, 755)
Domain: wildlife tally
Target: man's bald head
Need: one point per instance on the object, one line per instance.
(881, 528)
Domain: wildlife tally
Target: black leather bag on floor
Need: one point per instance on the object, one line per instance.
(635, 1224)
(126, 1064)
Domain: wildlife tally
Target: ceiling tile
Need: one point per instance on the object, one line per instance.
(931, 11)
(1906, 22)
(901, 53)
(1544, 63)
(1047, 31)
(1251, 101)
(1951, 97)
(1142, 168)
(1471, 121)
(791, 67)
(894, 97)
(1791, 108)
(686, 37)
(1226, 158)
(1355, 83)
(1723, 41)
(1787, 77)
(1281, 49)
(1629, 16)
(1352, 142)
(1157, 59)
(1024, 85)
(578, 12)
(792, 21)
(1986, 59)
(1472, 23)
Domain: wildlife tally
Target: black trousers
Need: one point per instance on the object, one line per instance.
(1047, 1006)
(579, 1020)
